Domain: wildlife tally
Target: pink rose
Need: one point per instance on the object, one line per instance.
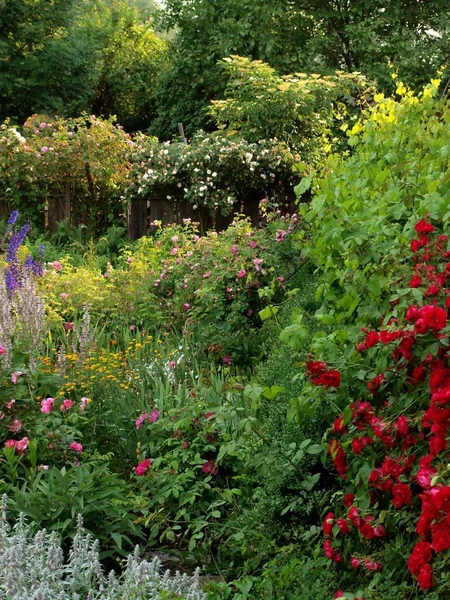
(143, 467)
(76, 447)
(47, 405)
(66, 405)
(22, 445)
(15, 426)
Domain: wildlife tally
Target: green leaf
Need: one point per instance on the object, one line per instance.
(315, 449)
(268, 312)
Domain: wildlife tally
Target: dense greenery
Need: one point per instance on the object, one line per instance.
(263, 397)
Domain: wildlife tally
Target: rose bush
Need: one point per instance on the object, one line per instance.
(390, 443)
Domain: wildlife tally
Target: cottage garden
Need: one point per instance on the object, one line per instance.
(224, 360)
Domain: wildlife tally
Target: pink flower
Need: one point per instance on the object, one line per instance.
(47, 405)
(2, 351)
(154, 416)
(10, 404)
(227, 360)
(22, 445)
(68, 326)
(234, 249)
(132, 327)
(257, 262)
(42, 125)
(210, 468)
(44, 149)
(253, 244)
(143, 467)
(140, 420)
(76, 447)
(281, 234)
(57, 265)
(174, 239)
(186, 306)
(15, 426)
(66, 405)
(196, 238)
(83, 403)
(174, 251)
(10, 443)
(242, 273)
(172, 364)
(15, 376)
(129, 260)
(63, 296)
(206, 275)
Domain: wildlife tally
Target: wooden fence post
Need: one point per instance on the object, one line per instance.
(250, 203)
(58, 207)
(137, 218)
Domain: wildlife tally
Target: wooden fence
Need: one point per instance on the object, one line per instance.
(142, 212)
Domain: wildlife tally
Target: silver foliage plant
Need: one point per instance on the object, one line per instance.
(34, 568)
(22, 319)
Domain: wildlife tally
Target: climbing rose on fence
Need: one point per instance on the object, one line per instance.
(391, 447)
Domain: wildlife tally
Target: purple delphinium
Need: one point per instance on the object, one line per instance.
(15, 274)
(13, 217)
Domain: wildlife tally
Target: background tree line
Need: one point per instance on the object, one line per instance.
(154, 66)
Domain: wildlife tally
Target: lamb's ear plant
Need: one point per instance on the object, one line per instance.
(34, 568)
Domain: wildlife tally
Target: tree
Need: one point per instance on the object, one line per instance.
(68, 56)
(296, 35)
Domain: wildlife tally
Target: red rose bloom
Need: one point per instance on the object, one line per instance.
(338, 457)
(440, 536)
(349, 499)
(315, 367)
(425, 578)
(402, 495)
(343, 525)
(330, 378)
(420, 556)
(328, 523)
(424, 227)
(434, 316)
(415, 282)
(372, 338)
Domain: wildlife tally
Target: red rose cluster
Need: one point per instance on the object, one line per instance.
(320, 374)
(403, 426)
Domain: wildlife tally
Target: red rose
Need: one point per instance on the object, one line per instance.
(425, 578)
(330, 378)
(424, 226)
(359, 443)
(372, 338)
(434, 316)
(349, 499)
(402, 495)
(315, 368)
(440, 536)
(412, 314)
(420, 556)
(343, 525)
(328, 523)
(415, 282)
(338, 457)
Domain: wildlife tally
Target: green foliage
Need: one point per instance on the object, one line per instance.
(365, 209)
(294, 36)
(81, 160)
(298, 109)
(68, 57)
